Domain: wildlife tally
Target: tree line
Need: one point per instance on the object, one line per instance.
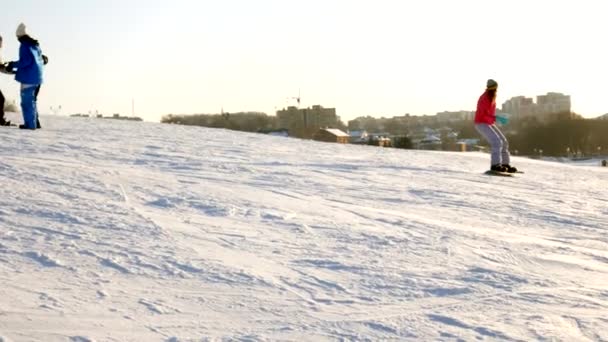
(246, 122)
(241, 121)
(558, 135)
(564, 136)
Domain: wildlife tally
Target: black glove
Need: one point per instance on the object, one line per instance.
(10, 67)
(45, 59)
(3, 68)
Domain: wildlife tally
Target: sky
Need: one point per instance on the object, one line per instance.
(377, 58)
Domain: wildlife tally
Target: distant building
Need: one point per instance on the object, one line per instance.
(358, 137)
(462, 115)
(430, 142)
(117, 116)
(331, 135)
(297, 118)
(519, 106)
(381, 139)
(114, 116)
(551, 103)
(465, 145)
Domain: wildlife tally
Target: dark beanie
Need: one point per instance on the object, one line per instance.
(491, 84)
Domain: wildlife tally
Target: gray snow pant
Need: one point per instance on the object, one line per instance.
(498, 143)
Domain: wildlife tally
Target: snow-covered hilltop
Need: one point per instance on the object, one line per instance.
(129, 231)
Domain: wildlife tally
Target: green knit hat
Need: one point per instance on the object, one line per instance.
(491, 84)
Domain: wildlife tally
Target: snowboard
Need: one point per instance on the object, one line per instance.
(498, 173)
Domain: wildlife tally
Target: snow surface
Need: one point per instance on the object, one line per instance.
(135, 231)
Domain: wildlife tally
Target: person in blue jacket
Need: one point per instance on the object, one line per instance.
(29, 72)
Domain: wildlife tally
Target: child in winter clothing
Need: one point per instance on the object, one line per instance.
(29, 70)
(3, 121)
(485, 124)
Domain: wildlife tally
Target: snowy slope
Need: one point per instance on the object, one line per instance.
(131, 231)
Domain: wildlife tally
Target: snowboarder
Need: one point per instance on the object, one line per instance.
(29, 72)
(485, 124)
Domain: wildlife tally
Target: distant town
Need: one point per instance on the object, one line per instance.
(115, 116)
(542, 127)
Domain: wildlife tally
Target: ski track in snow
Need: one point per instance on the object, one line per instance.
(113, 231)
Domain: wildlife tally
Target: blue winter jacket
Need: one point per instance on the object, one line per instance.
(30, 64)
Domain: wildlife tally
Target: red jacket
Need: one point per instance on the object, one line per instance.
(486, 110)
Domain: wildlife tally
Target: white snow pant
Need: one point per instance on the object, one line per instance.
(498, 143)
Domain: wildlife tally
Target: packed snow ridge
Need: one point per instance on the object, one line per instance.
(135, 231)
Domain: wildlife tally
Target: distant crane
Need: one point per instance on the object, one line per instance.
(298, 99)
